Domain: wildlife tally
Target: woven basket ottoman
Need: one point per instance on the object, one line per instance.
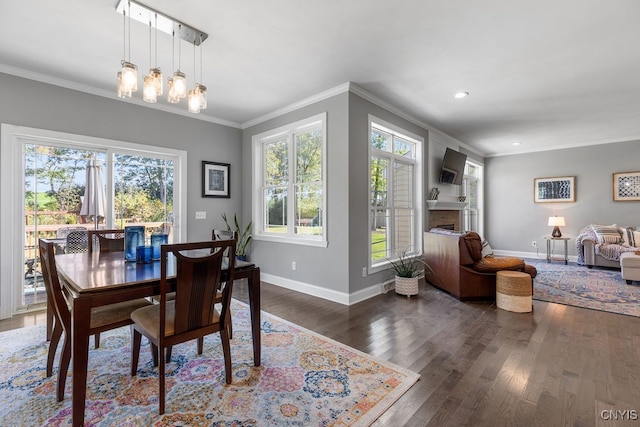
(514, 291)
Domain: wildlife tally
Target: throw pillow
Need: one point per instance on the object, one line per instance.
(627, 236)
(486, 249)
(607, 233)
(636, 239)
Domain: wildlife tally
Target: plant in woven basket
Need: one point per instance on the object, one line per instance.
(408, 265)
(407, 268)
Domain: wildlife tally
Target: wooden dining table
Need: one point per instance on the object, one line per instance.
(97, 279)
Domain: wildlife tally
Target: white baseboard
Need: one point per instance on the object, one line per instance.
(541, 255)
(324, 293)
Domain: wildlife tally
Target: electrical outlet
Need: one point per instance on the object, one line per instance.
(294, 265)
(534, 243)
(364, 271)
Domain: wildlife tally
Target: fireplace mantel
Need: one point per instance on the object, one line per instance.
(446, 205)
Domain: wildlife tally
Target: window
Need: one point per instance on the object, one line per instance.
(289, 183)
(472, 189)
(395, 186)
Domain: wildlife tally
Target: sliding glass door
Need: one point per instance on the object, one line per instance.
(71, 185)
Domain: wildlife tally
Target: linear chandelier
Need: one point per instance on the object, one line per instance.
(153, 82)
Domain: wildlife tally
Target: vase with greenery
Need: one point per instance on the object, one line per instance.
(407, 268)
(244, 235)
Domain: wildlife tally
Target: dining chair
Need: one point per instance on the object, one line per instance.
(77, 241)
(106, 240)
(224, 235)
(192, 314)
(102, 318)
(63, 232)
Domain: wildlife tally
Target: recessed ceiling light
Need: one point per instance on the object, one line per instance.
(460, 95)
(515, 143)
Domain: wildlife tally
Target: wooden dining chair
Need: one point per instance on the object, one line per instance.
(107, 240)
(102, 318)
(192, 314)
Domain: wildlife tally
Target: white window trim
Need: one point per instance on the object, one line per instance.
(257, 175)
(12, 141)
(417, 187)
(480, 207)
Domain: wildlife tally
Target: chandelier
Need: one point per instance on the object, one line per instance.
(152, 86)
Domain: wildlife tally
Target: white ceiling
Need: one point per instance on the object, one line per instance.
(545, 73)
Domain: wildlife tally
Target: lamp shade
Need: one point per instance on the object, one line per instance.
(556, 221)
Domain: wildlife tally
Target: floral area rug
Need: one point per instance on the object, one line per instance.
(580, 286)
(305, 380)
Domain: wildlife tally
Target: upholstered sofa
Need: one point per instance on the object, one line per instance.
(459, 267)
(602, 245)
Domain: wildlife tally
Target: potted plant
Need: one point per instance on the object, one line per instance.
(244, 236)
(407, 269)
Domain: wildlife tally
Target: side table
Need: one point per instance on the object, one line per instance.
(550, 258)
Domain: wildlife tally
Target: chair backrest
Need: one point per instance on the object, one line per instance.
(224, 235)
(63, 232)
(106, 240)
(77, 241)
(198, 273)
(55, 297)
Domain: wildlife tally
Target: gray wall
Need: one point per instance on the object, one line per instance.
(29, 103)
(359, 140)
(513, 220)
(323, 267)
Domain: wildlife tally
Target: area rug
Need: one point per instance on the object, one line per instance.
(305, 380)
(580, 286)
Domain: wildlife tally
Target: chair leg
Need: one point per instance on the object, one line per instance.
(53, 346)
(169, 354)
(96, 339)
(161, 391)
(136, 338)
(226, 350)
(200, 344)
(228, 325)
(65, 358)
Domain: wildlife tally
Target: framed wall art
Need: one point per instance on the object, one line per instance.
(556, 189)
(215, 179)
(626, 186)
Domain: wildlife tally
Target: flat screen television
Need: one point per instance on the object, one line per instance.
(453, 167)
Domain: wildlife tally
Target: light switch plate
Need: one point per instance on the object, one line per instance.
(201, 215)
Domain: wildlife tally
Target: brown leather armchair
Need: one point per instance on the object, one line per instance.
(459, 268)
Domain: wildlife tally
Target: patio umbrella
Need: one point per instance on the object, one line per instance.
(94, 200)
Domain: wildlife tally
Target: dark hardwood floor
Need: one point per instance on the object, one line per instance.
(557, 366)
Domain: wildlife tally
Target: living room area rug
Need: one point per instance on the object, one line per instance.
(593, 288)
(304, 379)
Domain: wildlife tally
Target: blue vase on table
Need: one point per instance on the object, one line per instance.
(158, 240)
(133, 237)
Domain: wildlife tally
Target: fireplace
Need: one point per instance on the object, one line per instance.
(447, 219)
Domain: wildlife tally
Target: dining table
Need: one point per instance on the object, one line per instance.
(97, 279)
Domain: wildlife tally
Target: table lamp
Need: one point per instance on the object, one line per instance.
(556, 222)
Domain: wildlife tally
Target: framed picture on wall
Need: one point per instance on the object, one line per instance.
(215, 179)
(626, 186)
(555, 189)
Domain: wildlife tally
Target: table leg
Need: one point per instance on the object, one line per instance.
(254, 308)
(548, 251)
(566, 253)
(80, 355)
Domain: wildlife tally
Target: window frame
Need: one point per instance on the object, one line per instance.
(417, 162)
(258, 182)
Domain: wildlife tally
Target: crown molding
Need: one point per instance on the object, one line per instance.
(297, 105)
(67, 84)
